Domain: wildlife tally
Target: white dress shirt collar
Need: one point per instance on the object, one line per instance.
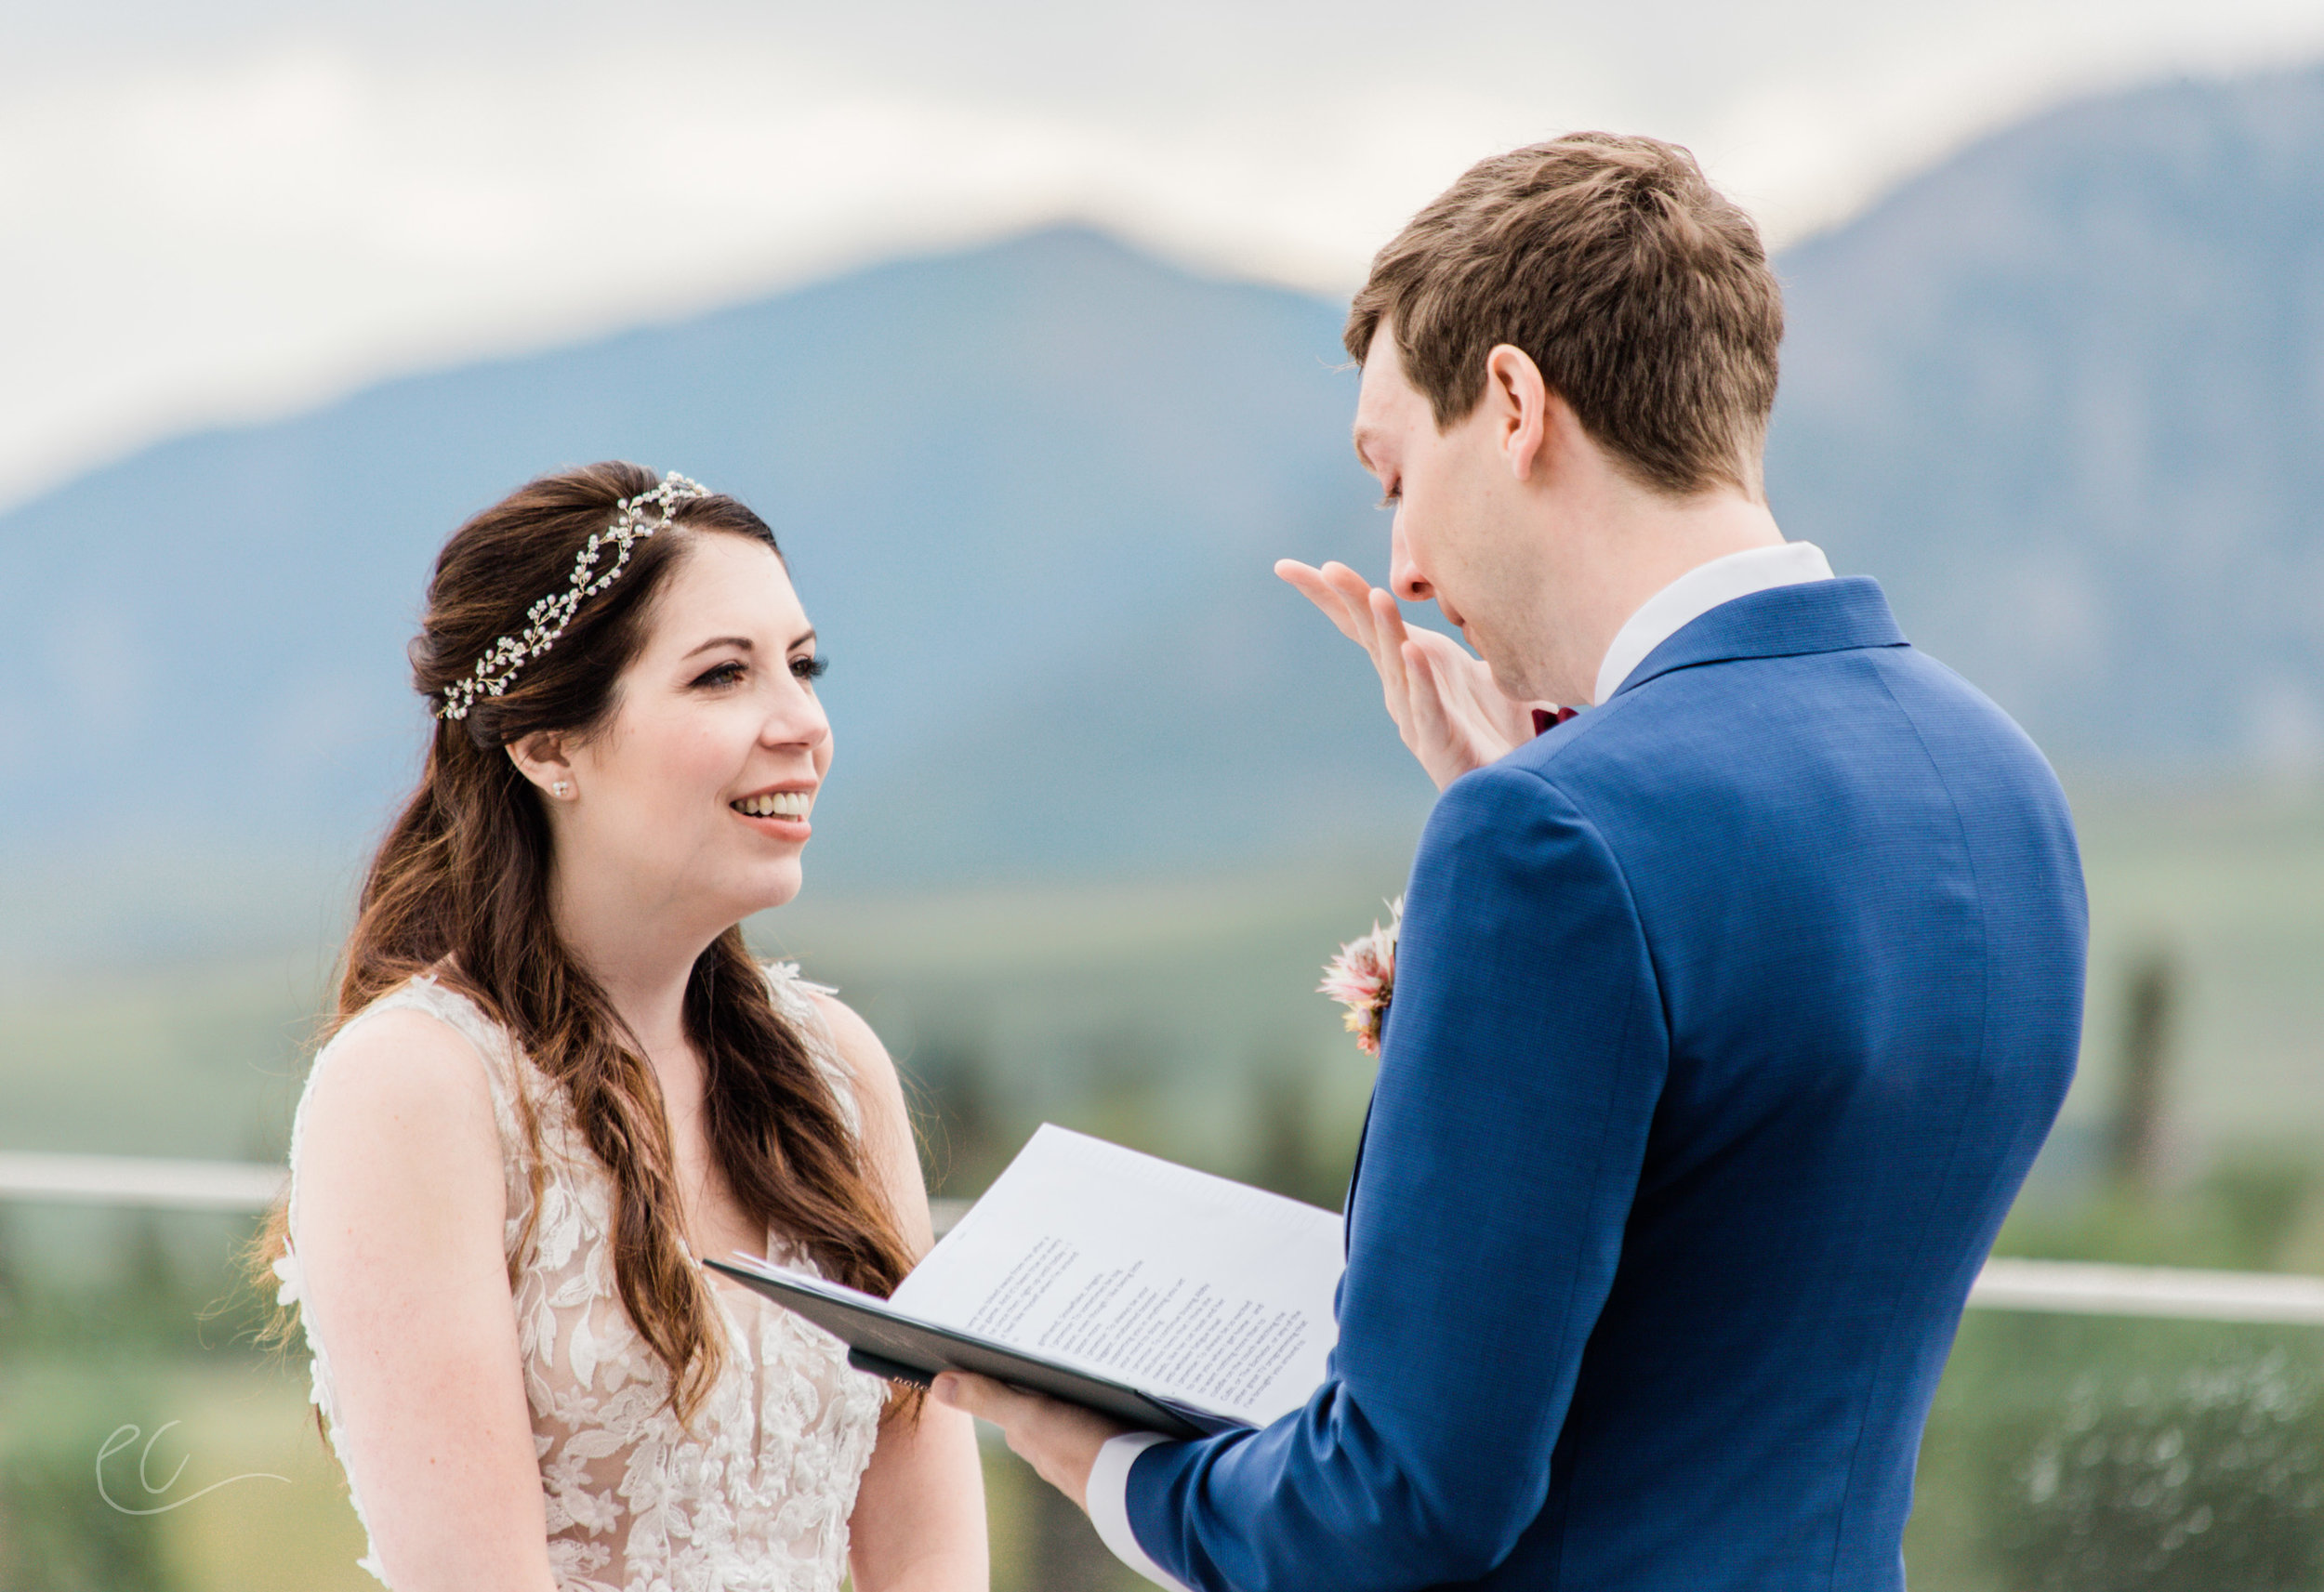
(1698, 591)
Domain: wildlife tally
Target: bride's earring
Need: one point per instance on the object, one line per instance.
(560, 789)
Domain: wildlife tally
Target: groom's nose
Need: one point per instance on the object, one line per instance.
(1404, 576)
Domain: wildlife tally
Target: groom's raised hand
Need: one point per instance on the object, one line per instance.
(1451, 715)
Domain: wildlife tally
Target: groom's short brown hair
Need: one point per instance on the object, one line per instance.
(1642, 293)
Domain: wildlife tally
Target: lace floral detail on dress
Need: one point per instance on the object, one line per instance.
(756, 1498)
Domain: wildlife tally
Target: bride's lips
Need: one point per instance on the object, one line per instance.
(779, 811)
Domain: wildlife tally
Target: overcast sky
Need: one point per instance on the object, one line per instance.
(231, 209)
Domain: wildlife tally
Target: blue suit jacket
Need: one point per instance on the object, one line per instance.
(1728, 1018)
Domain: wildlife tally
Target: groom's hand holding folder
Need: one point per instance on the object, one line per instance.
(1057, 1440)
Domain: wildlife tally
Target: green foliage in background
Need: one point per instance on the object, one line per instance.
(2072, 1453)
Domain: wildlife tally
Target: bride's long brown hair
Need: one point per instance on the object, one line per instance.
(460, 888)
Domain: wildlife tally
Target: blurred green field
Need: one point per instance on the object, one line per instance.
(1179, 1012)
(1177, 1015)
(2229, 885)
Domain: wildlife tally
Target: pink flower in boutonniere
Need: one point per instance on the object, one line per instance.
(1363, 977)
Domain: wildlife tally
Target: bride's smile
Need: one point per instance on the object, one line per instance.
(781, 813)
(691, 801)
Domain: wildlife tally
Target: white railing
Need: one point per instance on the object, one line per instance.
(136, 1180)
(192, 1185)
(2080, 1287)
(2071, 1287)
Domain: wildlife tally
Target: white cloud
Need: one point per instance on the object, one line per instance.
(279, 216)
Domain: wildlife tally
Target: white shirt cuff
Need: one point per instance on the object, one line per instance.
(1107, 1499)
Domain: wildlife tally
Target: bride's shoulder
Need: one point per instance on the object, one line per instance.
(413, 1015)
(397, 1114)
(862, 1061)
(421, 1041)
(432, 999)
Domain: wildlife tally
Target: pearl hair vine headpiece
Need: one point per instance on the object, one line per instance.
(547, 619)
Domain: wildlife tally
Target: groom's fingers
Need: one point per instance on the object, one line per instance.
(1388, 624)
(1439, 744)
(1312, 585)
(1016, 1414)
(1057, 1440)
(1370, 617)
(1353, 619)
(1424, 675)
(1348, 600)
(1354, 593)
(983, 1398)
(979, 1396)
(1430, 721)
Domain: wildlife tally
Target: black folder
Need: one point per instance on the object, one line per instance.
(887, 1342)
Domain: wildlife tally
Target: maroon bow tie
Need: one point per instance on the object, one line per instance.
(1546, 719)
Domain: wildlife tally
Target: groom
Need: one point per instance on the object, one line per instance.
(1729, 1013)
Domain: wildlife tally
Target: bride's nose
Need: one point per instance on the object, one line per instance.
(798, 721)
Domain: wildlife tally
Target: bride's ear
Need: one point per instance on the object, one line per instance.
(542, 757)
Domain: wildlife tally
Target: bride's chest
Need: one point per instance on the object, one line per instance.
(581, 1347)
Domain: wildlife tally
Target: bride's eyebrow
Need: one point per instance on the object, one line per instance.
(745, 643)
(742, 641)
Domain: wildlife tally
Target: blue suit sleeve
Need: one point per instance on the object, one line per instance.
(1525, 1052)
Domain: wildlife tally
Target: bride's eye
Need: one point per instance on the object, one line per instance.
(725, 674)
(809, 668)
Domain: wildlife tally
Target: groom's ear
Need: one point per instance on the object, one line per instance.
(543, 759)
(1519, 401)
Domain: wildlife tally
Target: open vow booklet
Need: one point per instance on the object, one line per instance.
(1163, 1296)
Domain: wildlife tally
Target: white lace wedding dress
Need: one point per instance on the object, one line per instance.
(757, 1497)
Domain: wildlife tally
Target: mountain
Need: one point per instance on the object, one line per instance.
(2065, 396)
(1030, 494)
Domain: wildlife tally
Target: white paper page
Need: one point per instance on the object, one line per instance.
(1172, 1280)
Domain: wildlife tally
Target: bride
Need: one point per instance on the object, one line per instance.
(558, 1077)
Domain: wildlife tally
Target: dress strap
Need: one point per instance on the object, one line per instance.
(794, 999)
(493, 1047)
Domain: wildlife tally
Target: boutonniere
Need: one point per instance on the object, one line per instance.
(1363, 978)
